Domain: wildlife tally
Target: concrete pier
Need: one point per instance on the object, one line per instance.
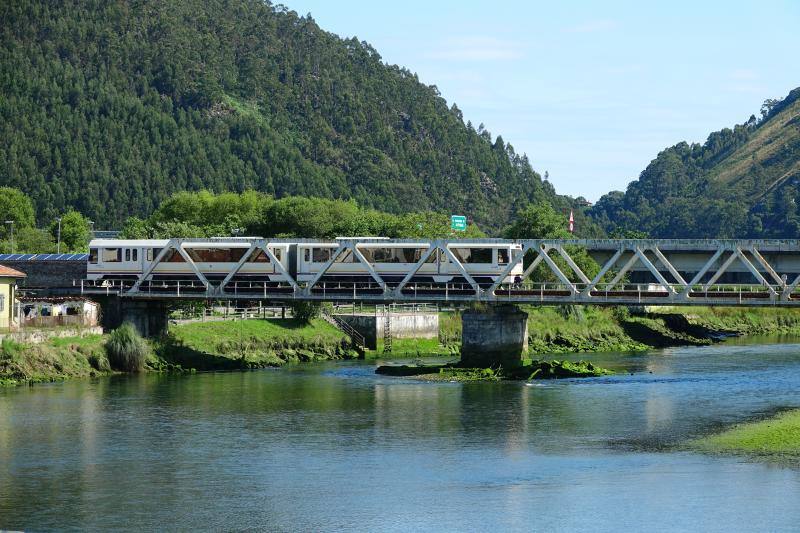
(495, 336)
(149, 317)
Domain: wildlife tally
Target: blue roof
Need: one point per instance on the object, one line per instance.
(44, 257)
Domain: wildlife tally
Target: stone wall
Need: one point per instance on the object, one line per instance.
(36, 336)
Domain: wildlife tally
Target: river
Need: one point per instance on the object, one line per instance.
(333, 446)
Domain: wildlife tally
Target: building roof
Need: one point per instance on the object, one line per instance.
(44, 257)
(6, 272)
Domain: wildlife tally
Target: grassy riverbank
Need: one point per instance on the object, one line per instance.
(256, 343)
(777, 437)
(576, 329)
(743, 321)
(222, 345)
(54, 360)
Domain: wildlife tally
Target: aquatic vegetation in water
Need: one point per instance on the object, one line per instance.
(530, 371)
(774, 437)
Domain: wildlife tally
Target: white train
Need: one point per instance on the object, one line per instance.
(215, 258)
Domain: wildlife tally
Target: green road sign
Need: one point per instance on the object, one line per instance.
(458, 223)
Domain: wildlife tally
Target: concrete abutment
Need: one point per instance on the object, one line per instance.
(418, 325)
(149, 317)
(497, 335)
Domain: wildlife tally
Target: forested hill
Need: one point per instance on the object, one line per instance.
(743, 182)
(111, 106)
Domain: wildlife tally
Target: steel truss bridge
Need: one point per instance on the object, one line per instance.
(666, 272)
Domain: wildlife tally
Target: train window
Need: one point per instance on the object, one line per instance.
(381, 255)
(345, 257)
(277, 252)
(259, 257)
(127, 254)
(473, 255)
(135, 254)
(321, 255)
(93, 256)
(216, 255)
(149, 254)
(502, 256)
(307, 255)
(411, 255)
(173, 256)
(112, 255)
(481, 255)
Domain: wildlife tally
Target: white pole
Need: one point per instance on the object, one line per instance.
(58, 246)
(11, 224)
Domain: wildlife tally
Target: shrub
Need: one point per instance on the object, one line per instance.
(126, 349)
(307, 311)
(99, 362)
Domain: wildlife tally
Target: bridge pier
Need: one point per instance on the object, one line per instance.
(495, 336)
(149, 317)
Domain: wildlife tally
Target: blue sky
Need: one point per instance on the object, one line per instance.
(591, 91)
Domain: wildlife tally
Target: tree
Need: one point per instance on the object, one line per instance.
(540, 221)
(34, 241)
(231, 95)
(305, 312)
(429, 225)
(75, 232)
(17, 207)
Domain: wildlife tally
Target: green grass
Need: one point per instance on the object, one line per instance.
(255, 343)
(53, 360)
(590, 329)
(775, 437)
(211, 335)
(743, 321)
(551, 331)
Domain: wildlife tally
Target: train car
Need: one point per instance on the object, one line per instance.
(485, 262)
(127, 259)
(215, 258)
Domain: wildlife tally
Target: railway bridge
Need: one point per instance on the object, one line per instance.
(553, 272)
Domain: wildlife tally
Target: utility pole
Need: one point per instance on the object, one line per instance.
(58, 246)
(11, 223)
(91, 229)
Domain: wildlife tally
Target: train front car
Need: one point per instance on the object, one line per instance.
(391, 260)
(215, 259)
(120, 259)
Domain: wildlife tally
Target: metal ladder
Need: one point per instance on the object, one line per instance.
(387, 329)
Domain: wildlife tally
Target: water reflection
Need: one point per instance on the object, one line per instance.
(334, 446)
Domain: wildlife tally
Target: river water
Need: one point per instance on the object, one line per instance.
(333, 446)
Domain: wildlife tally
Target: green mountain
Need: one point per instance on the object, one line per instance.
(111, 106)
(743, 182)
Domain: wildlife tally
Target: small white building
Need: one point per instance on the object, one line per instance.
(44, 312)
